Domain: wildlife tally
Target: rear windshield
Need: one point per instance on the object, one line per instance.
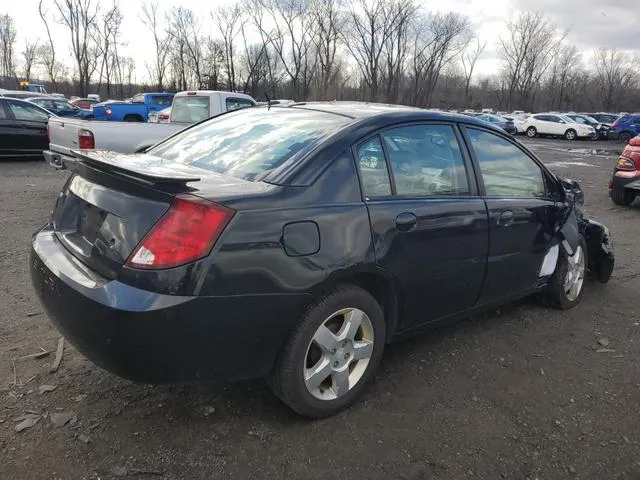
(249, 143)
(190, 109)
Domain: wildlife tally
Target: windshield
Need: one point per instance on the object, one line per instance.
(249, 143)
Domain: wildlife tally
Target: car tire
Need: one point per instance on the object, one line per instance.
(564, 292)
(570, 134)
(531, 132)
(293, 380)
(625, 137)
(622, 196)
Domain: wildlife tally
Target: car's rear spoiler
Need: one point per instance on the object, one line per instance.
(140, 167)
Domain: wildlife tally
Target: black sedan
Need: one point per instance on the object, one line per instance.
(23, 129)
(294, 242)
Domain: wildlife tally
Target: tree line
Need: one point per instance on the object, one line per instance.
(394, 51)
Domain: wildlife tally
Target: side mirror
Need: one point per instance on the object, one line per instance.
(573, 190)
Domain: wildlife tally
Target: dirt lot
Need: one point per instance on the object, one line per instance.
(523, 392)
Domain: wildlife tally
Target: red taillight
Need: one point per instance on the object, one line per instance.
(185, 233)
(625, 164)
(85, 140)
(635, 141)
(107, 112)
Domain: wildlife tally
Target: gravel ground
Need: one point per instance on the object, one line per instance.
(521, 392)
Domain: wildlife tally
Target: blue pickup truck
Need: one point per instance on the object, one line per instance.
(137, 110)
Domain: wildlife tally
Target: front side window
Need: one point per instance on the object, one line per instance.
(426, 160)
(248, 144)
(506, 170)
(24, 111)
(237, 103)
(373, 168)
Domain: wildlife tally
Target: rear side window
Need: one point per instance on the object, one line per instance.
(24, 111)
(506, 170)
(162, 100)
(373, 169)
(190, 109)
(247, 144)
(237, 103)
(426, 160)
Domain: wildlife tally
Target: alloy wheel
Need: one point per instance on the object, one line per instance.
(338, 354)
(574, 278)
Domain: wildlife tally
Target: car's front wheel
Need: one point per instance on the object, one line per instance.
(333, 353)
(565, 286)
(570, 134)
(622, 196)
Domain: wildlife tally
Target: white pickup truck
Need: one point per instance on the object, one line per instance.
(68, 134)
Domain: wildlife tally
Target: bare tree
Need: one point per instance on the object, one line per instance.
(229, 21)
(328, 23)
(106, 36)
(47, 55)
(615, 73)
(29, 58)
(527, 50)
(562, 73)
(79, 16)
(291, 37)
(150, 19)
(184, 34)
(370, 24)
(8, 35)
(396, 47)
(468, 58)
(436, 41)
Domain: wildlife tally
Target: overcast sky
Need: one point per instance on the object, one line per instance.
(591, 23)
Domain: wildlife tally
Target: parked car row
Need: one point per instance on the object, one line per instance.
(570, 125)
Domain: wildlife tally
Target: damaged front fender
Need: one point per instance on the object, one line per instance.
(600, 249)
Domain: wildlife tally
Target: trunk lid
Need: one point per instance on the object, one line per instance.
(107, 208)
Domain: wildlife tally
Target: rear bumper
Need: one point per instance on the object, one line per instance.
(59, 161)
(150, 337)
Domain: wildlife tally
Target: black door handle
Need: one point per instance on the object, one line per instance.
(406, 221)
(506, 218)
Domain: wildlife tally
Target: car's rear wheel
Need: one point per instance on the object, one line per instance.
(565, 286)
(532, 132)
(622, 196)
(330, 357)
(570, 134)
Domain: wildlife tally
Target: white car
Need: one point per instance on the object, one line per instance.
(556, 125)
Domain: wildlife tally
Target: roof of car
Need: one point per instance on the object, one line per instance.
(363, 110)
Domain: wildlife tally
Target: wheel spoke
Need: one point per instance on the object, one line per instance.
(324, 338)
(352, 322)
(340, 380)
(577, 257)
(362, 350)
(318, 374)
